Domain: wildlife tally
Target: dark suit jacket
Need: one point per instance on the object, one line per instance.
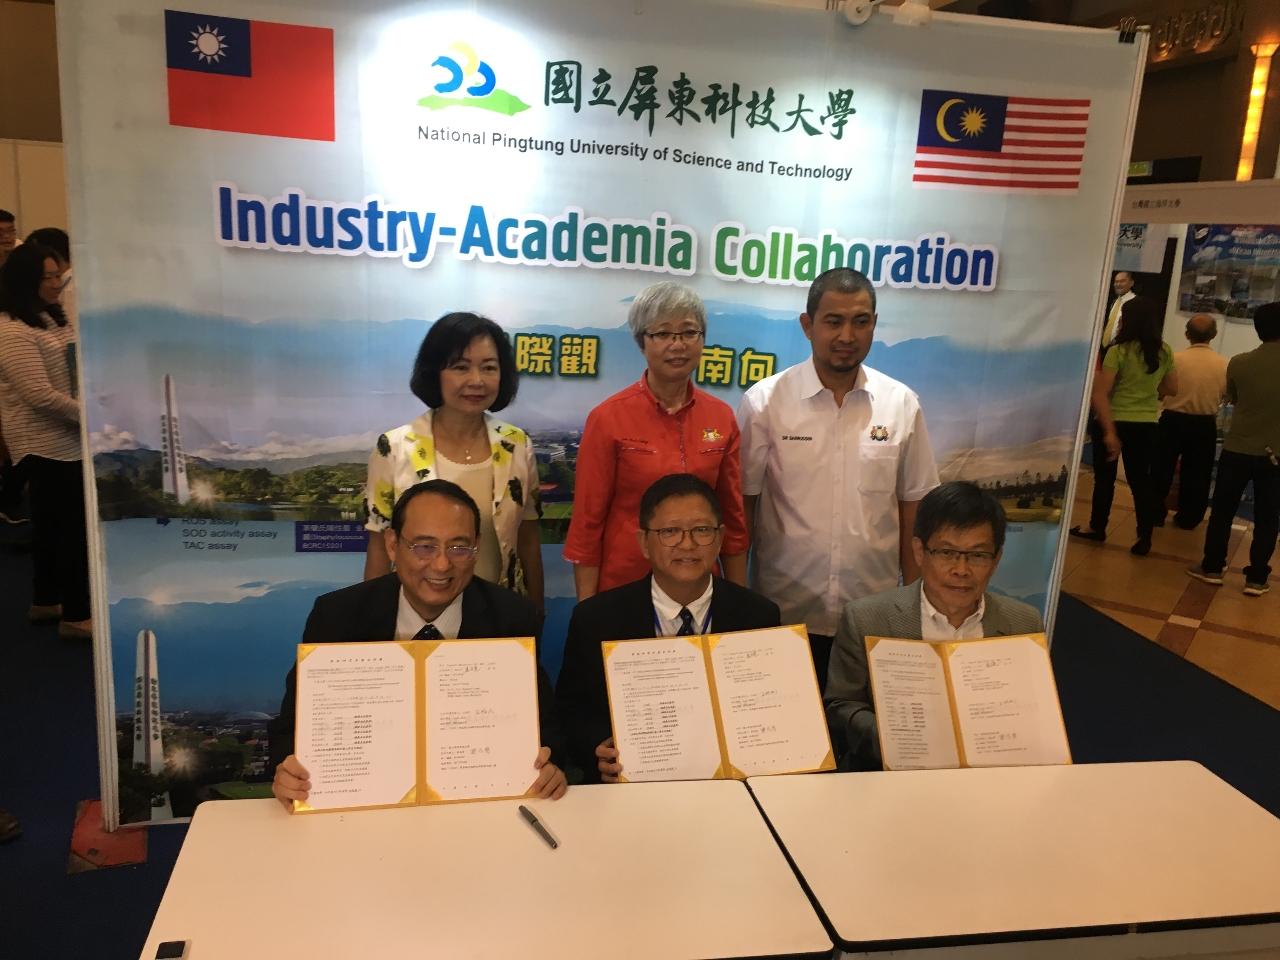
(894, 613)
(367, 611)
(626, 613)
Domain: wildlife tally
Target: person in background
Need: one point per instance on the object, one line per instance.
(1122, 288)
(1135, 373)
(957, 541)
(41, 418)
(835, 459)
(1188, 428)
(681, 529)
(465, 370)
(433, 594)
(56, 239)
(1250, 453)
(659, 425)
(8, 235)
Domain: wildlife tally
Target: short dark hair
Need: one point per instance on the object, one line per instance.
(55, 238)
(20, 277)
(840, 280)
(446, 341)
(6, 216)
(676, 485)
(1266, 321)
(959, 504)
(442, 488)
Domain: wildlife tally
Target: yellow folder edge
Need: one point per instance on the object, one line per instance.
(428, 793)
(829, 761)
(410, 798)
(726, 770)
(943, 650)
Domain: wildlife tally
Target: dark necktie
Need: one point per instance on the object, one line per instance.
(686, 623)
(429, 632)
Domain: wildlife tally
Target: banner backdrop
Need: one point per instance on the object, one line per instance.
(272, 202)
(1229, 270)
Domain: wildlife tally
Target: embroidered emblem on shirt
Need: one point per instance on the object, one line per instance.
(711, 433)
(879, 432)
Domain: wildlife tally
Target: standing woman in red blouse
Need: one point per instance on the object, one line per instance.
(657, 426)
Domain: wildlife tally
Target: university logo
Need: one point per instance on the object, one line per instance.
(464, 80)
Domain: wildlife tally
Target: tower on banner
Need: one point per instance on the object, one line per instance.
(173, 462)
(148, 747)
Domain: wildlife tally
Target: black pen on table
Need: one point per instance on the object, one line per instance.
(534, 822)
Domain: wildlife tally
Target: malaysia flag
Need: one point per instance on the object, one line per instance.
(975, 140)
(249, 76)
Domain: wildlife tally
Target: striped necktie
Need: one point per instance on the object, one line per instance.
(686, 623)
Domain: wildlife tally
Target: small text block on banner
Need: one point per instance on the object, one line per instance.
(335, 536)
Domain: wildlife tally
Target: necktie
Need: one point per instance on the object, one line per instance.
(686, 623)
(429, 632)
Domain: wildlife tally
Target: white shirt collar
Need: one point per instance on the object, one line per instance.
(668, 610)
(935, 625)
(811, 384)
(409, 622)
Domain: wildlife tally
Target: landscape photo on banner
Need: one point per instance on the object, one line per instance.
(539, 164)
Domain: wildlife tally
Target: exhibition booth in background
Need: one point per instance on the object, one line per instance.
(247, 339)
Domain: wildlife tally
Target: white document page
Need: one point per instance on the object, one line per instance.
(913, 712)
(769, 703)
(482, 719)
(355, 724)
(663, 723)
(1007, 703)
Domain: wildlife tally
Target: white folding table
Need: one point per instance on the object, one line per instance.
(651, 870)
(1144, 859)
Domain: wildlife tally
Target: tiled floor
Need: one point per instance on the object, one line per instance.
(1232, 636)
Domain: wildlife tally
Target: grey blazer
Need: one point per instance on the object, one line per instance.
(894, 613)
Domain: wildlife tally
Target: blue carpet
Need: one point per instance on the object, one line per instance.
(1123, 698)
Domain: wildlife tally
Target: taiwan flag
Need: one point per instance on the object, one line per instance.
(249, 76)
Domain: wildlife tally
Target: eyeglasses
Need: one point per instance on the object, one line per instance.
(667, 337)
(456, 552)
(978, 559)
(671, 536)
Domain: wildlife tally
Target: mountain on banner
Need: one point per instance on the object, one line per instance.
(982, 141)
(249, 76)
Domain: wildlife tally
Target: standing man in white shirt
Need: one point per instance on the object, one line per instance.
(1188, 426)
(835, 458)
(1122, 287)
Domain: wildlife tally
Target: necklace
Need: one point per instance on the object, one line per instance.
(466, 445)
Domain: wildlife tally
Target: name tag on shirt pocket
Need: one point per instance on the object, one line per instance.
(878, 467)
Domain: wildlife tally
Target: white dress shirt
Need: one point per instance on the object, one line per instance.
(408, 621)
(935, 626)
(668, 611)
(829, 479)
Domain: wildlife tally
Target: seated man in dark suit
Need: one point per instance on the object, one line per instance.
(680, 533)
(432, 594)
(958, 536)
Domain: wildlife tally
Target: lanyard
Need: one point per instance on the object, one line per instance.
(657, 624)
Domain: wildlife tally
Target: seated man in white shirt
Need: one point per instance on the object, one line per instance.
(958, 535)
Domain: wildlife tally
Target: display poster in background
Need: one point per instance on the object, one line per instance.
(272, 202)
(1229, 270)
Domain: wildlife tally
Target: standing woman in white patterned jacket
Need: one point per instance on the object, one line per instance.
(41, 419)
(464, 371)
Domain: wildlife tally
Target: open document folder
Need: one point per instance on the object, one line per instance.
(417, 721)
(721, 706)
(972, 703)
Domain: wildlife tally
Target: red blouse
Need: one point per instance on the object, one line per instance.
(630, 441)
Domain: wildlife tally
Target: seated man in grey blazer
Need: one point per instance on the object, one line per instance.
(958, 536)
